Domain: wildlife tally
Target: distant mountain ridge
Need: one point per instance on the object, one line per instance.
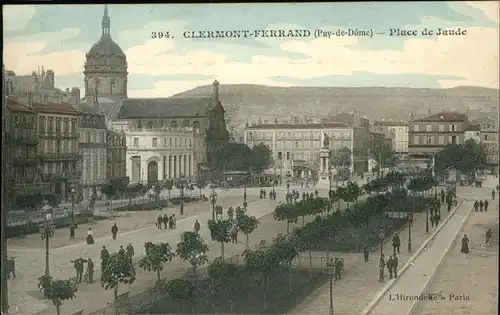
(250, 102)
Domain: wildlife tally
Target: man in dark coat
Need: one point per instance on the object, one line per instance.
(72, 228)
(338, 268)
(104, 259)
(476, 206)
(114, 231)
(481, 205)
(130, 252)
(165, 221)
(395, 262)
(366, 251)
(121, 251)
(158, 222)
(390, 266)
(396, 243)
(381, 266)
(486, 204)
(90, 271)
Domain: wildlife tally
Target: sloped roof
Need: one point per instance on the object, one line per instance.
(14, 106)
(444, 116)
(390, 123)
(164, 107)
(55, 108)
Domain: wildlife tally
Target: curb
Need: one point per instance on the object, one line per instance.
(384, 290)
(429, 279)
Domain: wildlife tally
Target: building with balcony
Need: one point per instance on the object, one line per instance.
(57, 125)
(26, 174)
(92, 146)
(397, 131)
(116, 146)
(490, 137)
(428, 135)
(155, 153)
(296, 144)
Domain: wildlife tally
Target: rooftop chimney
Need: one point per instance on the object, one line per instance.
(75, 96)
(30, 99)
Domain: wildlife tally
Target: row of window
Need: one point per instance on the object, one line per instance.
(92, 137)
(25, 153)
(94, 173)
(139, 123)
(297, 135)
(172, 143)
(59, 167)
(288, 156)
(441, 140)
(441, 128)
(59, 146)
(57, 124)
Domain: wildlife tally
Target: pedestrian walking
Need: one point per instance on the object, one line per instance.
(158, 222)
(130, 252)
(72, 228)
(396, 243)
(493, 194)
(389, 266)
(486, 204)
(121, 251)
(114, 231)
(366, 251)
(489, 235)
(197, 226)
(432, 219)
(170, 221)
(395, 262)
(481, 205)
(338, 268)
(442, 196)
(78, 265)
(165, 221)
(465, 244)
(476, 206)
(90, 271)
(381, 266)
(104, 259)
(234, 235)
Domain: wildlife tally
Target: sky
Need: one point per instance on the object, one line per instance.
(57, 37)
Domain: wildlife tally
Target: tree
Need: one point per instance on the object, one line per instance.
(286, 211)
(264, 262)
(156, 256)
(286, 251)
(383, 152)
(119, 269)
(231, 156)
(260, 158)
(110, 190)
(306, 236)
(193, 249)
(168, 184)
(353, 192)
(132, 191)
(225, 279)
(201, 184)
(247, 225)
(468, 157)
(341, 158)
(219, 231)
(57, 290)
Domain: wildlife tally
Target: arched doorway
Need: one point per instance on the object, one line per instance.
(152, 172)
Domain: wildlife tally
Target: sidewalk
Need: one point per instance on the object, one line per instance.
(353, 293)
(412, 283)
(475, 275)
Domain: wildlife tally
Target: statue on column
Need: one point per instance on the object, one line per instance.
(326, 141)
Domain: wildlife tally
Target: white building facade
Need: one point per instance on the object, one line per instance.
(397, 131)
(155, 154)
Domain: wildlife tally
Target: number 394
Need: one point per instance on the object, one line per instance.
(155, 35)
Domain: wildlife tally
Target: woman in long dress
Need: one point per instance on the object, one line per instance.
(465, 244)
(90, 237)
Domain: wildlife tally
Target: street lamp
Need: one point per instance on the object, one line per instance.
(426, 218)
(213, 200)
(331, 269)
(381, 236)
(46, 232)
(181, 183)
(410, 222)
(73, 193)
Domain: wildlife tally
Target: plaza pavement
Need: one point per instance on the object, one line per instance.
(24, 298)
(360, 283)
(474, 275)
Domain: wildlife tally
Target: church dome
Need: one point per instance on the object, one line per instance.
(105, 47)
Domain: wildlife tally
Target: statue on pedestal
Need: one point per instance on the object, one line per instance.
(326, 141)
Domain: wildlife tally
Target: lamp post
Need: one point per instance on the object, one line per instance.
(181, 184)
(46, 232)
(426, 218)
(381, 236)
(213, 200)
(73, 193)
(410, 222)
(331, 269)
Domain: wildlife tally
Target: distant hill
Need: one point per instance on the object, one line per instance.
(249, 102)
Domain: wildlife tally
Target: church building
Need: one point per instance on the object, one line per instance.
(166, 137)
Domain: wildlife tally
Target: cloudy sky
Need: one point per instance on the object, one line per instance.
(58, 36)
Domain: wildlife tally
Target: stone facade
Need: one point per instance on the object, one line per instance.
(397, 131)
(117, 156)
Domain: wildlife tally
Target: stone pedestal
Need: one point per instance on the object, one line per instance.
(324, 168)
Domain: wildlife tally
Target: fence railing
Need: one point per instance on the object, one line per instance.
(126, 302)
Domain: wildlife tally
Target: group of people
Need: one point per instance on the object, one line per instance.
(79, 266)
(392, 266)
(166, 221)
(338, 266)
(481, 205)
(435, 216)
(263, 193)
